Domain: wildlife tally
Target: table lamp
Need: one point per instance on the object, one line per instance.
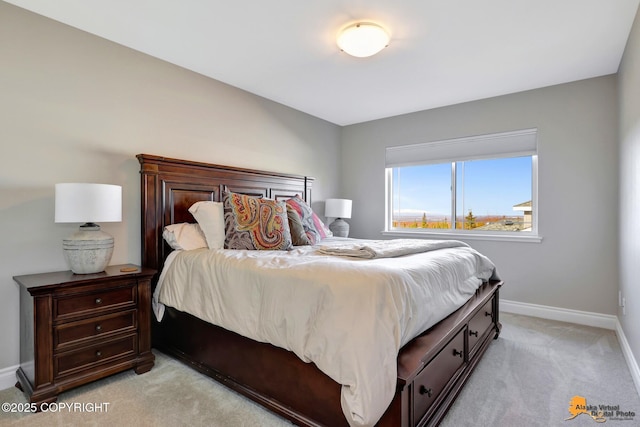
(89, 249)
(338, 209)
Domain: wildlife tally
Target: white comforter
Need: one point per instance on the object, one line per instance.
(349, 316)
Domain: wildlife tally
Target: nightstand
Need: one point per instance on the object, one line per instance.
(77, 328)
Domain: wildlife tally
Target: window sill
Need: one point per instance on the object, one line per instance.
(507, 237)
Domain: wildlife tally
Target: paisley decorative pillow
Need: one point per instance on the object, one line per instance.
(313, 225)
(255, 223)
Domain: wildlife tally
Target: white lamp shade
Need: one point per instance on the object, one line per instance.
(337, 208)
(80, 202)
(363, 39)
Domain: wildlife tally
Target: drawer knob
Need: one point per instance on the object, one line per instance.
(98, 328)
(98, 353)
(473, 333)
(424, 390)
(457, 353)
(487, 313)
(98, 300)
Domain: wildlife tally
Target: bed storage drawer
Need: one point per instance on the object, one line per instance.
(438, 373)
(479, 324)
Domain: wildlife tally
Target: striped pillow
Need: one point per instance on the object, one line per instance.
(312, 224)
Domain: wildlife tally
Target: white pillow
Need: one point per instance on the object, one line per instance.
(184, 236)
(210, 217)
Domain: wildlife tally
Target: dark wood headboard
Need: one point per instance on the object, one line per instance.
(170, 186)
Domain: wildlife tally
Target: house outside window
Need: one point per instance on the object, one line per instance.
(474, 187)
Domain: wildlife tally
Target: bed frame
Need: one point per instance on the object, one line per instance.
(432, 368)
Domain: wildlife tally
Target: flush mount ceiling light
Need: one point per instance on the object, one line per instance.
(363, 39)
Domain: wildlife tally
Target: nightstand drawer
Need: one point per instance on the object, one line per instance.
(95, 301)
(77, 332)
(101, 353)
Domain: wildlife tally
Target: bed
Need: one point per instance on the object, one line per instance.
(431, 368)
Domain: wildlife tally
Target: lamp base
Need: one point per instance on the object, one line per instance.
(88, 250)
(339, 228)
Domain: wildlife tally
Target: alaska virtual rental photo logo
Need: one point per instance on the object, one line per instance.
(599, 413)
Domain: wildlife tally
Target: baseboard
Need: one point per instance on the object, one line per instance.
(628, 355)
(605, 321)
(8, 377)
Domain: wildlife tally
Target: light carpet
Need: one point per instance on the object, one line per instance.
(527, 378)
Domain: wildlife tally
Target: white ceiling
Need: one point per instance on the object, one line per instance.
(442, 52)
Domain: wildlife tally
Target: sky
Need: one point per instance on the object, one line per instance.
(487, 187)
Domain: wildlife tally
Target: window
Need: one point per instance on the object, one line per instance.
(477, 186)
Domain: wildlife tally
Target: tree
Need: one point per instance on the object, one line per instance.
(470, 221)
(424, 220)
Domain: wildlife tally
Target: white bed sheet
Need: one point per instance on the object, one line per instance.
(349, 316)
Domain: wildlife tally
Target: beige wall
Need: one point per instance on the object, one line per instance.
(629, 219)
(575, 266)
(77, 108)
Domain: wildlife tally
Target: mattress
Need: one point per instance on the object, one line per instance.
(348, 315)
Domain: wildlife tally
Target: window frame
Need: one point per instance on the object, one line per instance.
(491, 153)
